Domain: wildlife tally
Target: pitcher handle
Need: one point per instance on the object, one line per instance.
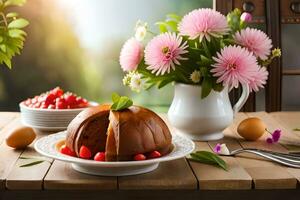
(239, 104)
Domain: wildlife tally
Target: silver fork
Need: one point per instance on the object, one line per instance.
(282, 158)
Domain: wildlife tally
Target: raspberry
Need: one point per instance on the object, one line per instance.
(58, 92)
(84, 152)
(67, 151)
(70, 99)
(49, 98)
(154, 154)
(100, 156)
(139, 157)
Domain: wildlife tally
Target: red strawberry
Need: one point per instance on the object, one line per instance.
(49, 98)
(84, 152)
(139, 157)
(154, 154)
(65, 150)
(70, 99)
(57, 92)
(100, 156)
(60, 103)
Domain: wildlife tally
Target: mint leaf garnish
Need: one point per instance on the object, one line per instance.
(120, 102)
(208, 158)
(115, 97)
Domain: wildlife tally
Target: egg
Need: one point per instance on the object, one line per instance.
(20, 137)
(251, 128)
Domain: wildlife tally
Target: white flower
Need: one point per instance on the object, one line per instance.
(140, 30)
(196, 76)
(136, 83)
(126, 79)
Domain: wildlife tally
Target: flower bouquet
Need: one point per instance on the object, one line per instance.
(206, 54)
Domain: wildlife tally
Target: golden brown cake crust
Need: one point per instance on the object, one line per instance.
(138, 130)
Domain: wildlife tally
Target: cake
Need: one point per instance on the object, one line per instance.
(120, 134)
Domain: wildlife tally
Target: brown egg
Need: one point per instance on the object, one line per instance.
(251, 128)
(20, 137)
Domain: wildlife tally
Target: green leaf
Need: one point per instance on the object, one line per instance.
(208, 158)
(217, 86)
(162, 26)
(12, 14)
(32, 163)
(115, 97)
(3, 48)
(206, 87)
(164, 83)
(174, 17)
(17, 33)
(121, 103)
(14, 3)
(172, 24)
(296, 129)
(4, 58)
(23, 157)
(18, 23)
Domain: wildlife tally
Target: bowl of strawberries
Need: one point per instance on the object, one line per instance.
(52, 110)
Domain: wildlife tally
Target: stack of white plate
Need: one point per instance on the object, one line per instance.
(48, 119)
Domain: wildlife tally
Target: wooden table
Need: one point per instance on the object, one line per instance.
(248, 177)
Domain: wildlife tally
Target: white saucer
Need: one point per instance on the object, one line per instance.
(47, 147)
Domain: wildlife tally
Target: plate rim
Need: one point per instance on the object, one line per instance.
(80, 161)
(41, 110)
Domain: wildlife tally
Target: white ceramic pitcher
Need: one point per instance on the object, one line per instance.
(203, 119)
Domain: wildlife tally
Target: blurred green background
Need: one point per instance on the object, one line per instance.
(75, 44)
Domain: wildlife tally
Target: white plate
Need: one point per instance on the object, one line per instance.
(47, 147)
(48, 120)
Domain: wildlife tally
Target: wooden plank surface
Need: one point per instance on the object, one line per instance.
(171, 175)
(265, 174)
(28, 178)
(6, 117)
(61, 176)
(8, 121)
(214, 178)
(8, 156)
(290, 121)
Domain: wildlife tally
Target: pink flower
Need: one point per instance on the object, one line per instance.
(246, 17)
(131, 55)
(234, 65)
(164, 51)
(275, 137)
(217, 148)
(259, 79)
(203, 22)
(255, 40)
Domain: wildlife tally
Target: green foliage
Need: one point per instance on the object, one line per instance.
(208, 158)
(120, 102)
(170, 23)
(234, 21)
(12, 36)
